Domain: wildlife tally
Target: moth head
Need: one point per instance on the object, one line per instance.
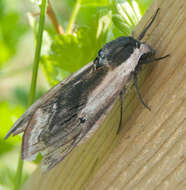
(147, 55)
(100, 60)
(116, 52)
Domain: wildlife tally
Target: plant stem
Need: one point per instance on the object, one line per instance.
(33, 82)
(19, 173)
(52, 16)
(37, 52)
(73, 16)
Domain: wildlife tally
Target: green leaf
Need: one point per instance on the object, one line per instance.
(143, 5)
(5, 53)
(20, 95)
(53, 73)
(7, 178)
(95, 3)
(69, 52)
(126, 15)
(10, 35)
(9, 114)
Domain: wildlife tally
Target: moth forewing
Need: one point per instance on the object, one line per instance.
(31, 135)
(21, 124)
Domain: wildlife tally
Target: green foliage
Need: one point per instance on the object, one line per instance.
(81, 45)
(95, 3)
(20, 95)
(7, 178)
(11, 29)
(143, 5)
(125, 16)
(98, 22)
(9, 114)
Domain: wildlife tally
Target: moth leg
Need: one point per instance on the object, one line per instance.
(121, 108)
(140, 37)
(135, 75)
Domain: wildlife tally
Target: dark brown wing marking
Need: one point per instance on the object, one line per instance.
(56, 123)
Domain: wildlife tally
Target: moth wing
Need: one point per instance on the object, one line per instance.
(61, 146)
(53, 156)
(57, 122)
(21, 124)
(58, 151)
(53, 153)
(37, 138)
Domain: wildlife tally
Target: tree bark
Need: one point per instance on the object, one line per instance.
(149, 152)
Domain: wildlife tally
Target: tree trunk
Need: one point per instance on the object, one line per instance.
(149, 152)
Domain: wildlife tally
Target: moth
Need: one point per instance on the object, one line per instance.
(70, 112)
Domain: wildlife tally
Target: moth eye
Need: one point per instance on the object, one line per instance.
(101, 54)
(97, 63)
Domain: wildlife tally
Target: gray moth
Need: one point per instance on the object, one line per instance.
(70, 112)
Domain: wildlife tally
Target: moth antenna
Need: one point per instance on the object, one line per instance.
(153, 60)
(121, 109)
(138, 91)
(160, 58)
(140, 37)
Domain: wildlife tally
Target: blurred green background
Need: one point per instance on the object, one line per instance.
(96, 22)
